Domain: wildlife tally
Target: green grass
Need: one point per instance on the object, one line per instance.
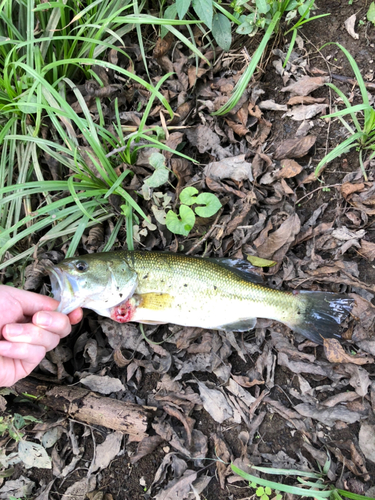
(361, 130)
(312, 484)
(45, 50)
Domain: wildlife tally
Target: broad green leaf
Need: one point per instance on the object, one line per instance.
(371, 13)
(258, 262)
(187, 195)
(182, 7)
(262, 6)
(182, 225)
(160, 176)
(221, 30)
(170, 13)
(204, 11)
(211, 205)
(246, 29)
(157, 160)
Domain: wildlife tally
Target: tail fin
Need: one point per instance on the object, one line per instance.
(320, 315)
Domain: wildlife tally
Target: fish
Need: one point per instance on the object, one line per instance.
(221, 294)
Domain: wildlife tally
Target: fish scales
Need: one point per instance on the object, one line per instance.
(158, 287)
(210, 295)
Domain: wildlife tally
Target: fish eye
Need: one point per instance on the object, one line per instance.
(81, 266)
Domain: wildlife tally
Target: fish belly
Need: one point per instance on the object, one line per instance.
(197, 311)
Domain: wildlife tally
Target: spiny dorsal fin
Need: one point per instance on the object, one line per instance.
(242, 268)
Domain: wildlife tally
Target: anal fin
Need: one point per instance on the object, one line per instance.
(242, 325)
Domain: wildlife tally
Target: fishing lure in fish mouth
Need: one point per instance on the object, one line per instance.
(157, 287)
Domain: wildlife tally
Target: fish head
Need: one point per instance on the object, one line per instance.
(95, 281)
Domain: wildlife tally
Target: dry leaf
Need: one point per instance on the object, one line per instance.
(367, 250)
(282, 236)
(294, 148)
(194, 73)
(273, 106)
(235, 168)
(366, 439)
(214, 403)
(306, 85)
(349, 26)
(335, 354)
(289, 168)
(328, 416)
(237, 128)
(300, 99)
(203, 138)
(348, 188)
(302, 112)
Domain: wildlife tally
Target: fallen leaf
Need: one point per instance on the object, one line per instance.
(289, 168)
(306, 85)
(359, 379)
(238, 128)
(348, 188)
(215, 403)
(258, 262)
(367, 250)
(235, 168)
(203, 138)
(300, 99)
(273, 106)
(194, 73)
(103, 384)
(335, 354)
(366, 440)
(349, 26)
(285, 234)
(302, 112)
(328, 416)
(107, 451)
(294, 148)
(224, 457)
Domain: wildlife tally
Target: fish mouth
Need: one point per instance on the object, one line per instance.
(63, 288)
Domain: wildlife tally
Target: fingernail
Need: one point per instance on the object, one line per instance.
(42, 319)
(14, 330)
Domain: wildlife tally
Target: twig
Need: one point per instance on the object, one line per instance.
(317, 189)
(206, 236)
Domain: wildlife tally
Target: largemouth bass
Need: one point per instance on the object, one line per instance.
(157, 287)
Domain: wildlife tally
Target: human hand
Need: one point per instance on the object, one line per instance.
(29, 327)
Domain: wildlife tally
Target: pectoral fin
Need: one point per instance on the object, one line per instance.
(242, 325)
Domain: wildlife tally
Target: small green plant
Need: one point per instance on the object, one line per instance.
(362, 136)
(12, 425)
(371, 13)
(31, 454)
(264, 493)
(265, 14)
(205, 205)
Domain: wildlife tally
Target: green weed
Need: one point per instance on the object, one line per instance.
(313, 484)
(362, 136)
(205, 205)
(44, 49)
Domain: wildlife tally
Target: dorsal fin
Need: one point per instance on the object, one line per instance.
(241, 267)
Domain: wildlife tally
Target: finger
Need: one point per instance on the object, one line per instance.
(31, 354)
(29, 301)
(31, 335)
(75, 316)
(54, 322)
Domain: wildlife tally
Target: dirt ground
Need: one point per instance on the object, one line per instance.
(302, 406)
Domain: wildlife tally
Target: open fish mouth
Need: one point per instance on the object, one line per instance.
(64, 290)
